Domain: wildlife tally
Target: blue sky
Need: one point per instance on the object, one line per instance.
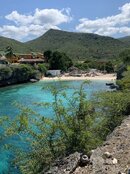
(27, 19)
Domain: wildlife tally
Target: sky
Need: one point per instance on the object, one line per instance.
(25, 20)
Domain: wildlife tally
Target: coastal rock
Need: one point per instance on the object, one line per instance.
(107, 155)
(65, 166)
(33, 80)
(116, 151)
(111, 158)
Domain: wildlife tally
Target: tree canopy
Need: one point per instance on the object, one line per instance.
(125, 56)
(59, 61)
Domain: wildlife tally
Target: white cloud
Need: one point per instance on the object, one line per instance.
(117, 24)
(24, 26)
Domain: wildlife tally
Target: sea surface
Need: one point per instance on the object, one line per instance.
(27, 95)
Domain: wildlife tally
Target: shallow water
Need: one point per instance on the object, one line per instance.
(27, 94)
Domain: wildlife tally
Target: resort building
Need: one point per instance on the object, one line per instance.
(32, 55)
(54, 73)
(30, 61)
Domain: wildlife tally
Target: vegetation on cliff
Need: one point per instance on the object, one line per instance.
(14, 74)
(123, 73)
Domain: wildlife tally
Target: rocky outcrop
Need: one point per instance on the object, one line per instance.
(66, 165)
(113, 157)
(16, 74)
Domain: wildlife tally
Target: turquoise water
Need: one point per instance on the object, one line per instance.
(27, 94)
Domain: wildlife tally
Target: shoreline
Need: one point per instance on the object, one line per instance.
(106, 77)
(110, 77)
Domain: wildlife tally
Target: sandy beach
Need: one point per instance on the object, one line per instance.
(109, 77)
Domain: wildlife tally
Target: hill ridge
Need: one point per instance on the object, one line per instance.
(126, 40)
(16, 45)
(76, 45)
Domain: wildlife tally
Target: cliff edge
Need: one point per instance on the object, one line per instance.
(113, 157)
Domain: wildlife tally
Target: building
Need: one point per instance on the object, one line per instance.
(54, 73)
(32, 55)
(30, 61)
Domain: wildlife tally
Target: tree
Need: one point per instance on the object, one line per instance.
(124, 82)
(5, 73)
(9, 52)
(42, 68)
(60, 61)
(48, 55)
(125, 56)
(109, 67)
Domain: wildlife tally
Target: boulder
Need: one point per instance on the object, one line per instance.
(66, 165)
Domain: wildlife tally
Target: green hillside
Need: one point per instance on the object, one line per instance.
(16, 45)
(126, 40)
(78, 45)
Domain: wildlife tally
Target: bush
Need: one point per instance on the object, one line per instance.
(5, 73)
(82, 66)
(42, 68)
(22, 72)
(60, 61)
(125, 56)
(124, 83)
(113, 107)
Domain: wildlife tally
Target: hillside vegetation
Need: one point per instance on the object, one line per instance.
(15, 45)
(78, 45)
(126, 40)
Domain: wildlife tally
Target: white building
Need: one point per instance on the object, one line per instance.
(54, 73)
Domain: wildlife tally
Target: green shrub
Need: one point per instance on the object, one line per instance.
(124, 83)
(42, 68)
(113, 107)
(5, 73)
(22, 72)
(60, 61)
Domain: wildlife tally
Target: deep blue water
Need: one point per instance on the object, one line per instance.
(27, 94)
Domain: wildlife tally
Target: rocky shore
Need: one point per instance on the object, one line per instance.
(113, 157)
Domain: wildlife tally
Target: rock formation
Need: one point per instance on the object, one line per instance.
(113, 157)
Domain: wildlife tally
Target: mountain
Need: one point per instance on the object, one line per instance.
(17, 46)
(78, 45)
(126, 40)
